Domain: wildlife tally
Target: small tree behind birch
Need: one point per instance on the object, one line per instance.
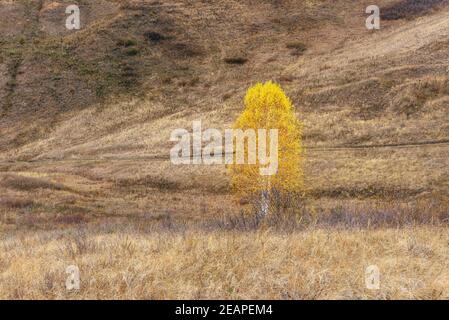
(267, 107)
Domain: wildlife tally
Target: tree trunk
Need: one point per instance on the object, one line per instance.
(264, 204)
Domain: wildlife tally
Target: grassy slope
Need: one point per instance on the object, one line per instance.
(352, 87)
(161, 66)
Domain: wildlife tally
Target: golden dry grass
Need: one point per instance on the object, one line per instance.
(313, 264)
(133, 239)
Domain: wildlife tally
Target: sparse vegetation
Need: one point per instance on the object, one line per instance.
(236, 60)
(28, 183)
(412, 97)
(132, 51)
(298, 48)
(407, 9)
(154, 36)
(127, 42)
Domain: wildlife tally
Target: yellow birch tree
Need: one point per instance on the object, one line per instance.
(267, 107)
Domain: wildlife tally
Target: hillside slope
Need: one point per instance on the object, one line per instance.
(139, 69)
(174, 53)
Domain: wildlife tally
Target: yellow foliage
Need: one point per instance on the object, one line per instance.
(267, 107)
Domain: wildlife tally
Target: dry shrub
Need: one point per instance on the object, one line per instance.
(407, 9)
(148, 181)
(77, 243)
(184, 50)
(236, 60)
(126, 42)
(74, 219)
(28, 183)
(295, 214)
(15, 202)
(411, 98)
(154, 37)
(298, 48)
(368, 191)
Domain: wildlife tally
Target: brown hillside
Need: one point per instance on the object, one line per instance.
(139, 69)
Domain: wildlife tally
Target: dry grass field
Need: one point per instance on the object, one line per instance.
(85, 175)
(314, 264)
